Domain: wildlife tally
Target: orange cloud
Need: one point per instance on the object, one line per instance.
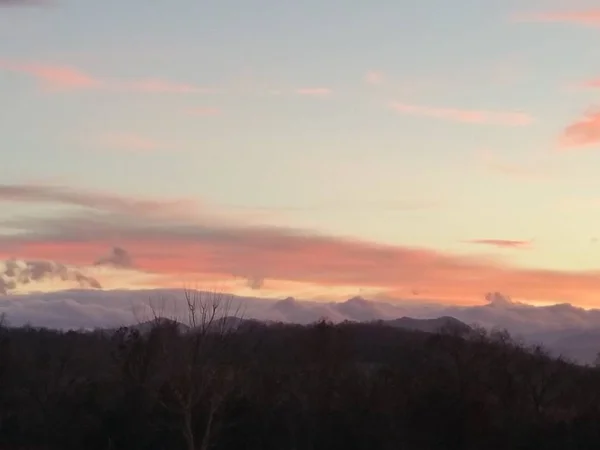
(501, 243)
(182, 246)
(463, 115)
(583, 133)
(57, 78)
(314, 91)
(587, 17)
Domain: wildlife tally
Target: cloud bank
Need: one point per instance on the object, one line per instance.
(564, 328)
(174, 240)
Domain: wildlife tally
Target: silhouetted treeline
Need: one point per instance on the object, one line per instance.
(280, 387)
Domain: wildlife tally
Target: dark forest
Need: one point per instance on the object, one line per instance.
(225, 383)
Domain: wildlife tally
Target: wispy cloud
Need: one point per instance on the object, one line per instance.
(204, 111)
(594, 84)
(314, 91)
(67, 78)
(502, 243)
(582, 17)
(374, 77)
(518, 170)
(24, 3)
(93, 200)
(55, 77)
(515, 170)
(129, 142)
(582, 133)
(479, 117)
(181, 246)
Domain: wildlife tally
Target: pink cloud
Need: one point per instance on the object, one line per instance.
(501, 243)
(55, 78)
(129, 142)
(374, 77)
(314, 91)
(593, 83)
(586, 17)
(464, 115)
(204, 111)
(187, 246)
(583, 133)
(162, 86)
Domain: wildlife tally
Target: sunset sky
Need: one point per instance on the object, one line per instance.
(319, 149)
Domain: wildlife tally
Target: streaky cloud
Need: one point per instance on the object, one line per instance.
(177, 244)
(589, 17)
(475, 117)
(502, 243)
(56, 78)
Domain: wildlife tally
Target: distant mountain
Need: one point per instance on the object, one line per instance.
(582, 346)
(561, 328)
(359, 309)
(303, 313)
(146, 327)
(429, 325)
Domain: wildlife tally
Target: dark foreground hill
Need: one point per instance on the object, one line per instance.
(322, 386)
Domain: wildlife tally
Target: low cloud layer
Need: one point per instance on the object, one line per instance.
(495, 310)
(563, 328)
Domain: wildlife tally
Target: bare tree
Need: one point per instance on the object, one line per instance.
(201, 377)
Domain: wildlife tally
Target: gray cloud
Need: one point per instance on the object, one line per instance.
(19, 273)
(31, 193)
(15, 3)
(118, 257)
(562, 327)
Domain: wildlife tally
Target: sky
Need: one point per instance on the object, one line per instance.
(318, 149)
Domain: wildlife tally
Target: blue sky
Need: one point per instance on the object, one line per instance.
(283, 113)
